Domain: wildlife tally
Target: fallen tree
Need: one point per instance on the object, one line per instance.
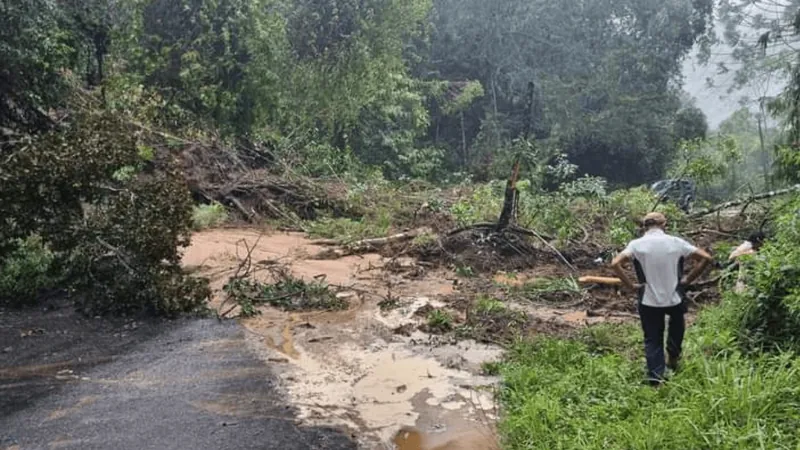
(744, 201)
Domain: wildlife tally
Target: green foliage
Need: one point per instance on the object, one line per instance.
(120, 235)
(613, 339)
(483, 205)
(542, 286)
(578, 205)
(210, 62)
(589, 392)
(470, 92)
(25, 271)
(491, 320)
(563, 394)
(208, 216)
(626, 208)
(348, 231)
(490, 368)
(288, 293)
(710, 163)
(487, 305)
(767, 315)
(440, 321)
(604, 93)
(756, 141)
(34, 48)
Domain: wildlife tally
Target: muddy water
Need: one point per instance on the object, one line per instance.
(348, 368)
(481, 438)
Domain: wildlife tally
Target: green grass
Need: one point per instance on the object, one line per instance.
(554, 289)
(588, 393)
(348, 231)
(208, 216)
(440, 321)
(487, 305)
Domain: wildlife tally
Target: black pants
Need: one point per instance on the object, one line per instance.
(653, 326)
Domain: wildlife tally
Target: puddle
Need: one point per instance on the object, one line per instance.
(463, 439)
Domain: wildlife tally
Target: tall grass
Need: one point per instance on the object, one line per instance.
(589, 394)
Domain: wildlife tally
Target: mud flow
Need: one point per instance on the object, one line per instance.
(369, 368)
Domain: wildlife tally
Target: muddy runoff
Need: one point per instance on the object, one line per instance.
(349, 368)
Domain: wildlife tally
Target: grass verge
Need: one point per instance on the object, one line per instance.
(588, 393)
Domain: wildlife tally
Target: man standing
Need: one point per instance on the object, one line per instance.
(658, 260)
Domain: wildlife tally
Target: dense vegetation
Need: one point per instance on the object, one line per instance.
(737, 387)
(100, 101)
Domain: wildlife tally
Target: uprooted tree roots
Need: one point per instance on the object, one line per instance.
(495, 246)
(485, 250)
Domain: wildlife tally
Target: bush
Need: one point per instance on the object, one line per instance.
(208, 216)
(25, 272)
(766, 316)
(119, 230)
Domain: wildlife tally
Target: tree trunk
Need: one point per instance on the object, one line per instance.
(529, 111)
(464, 142)
(763, 157)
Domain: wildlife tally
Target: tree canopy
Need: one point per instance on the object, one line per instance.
(408, 86)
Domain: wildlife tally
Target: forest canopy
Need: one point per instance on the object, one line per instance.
(416, 87)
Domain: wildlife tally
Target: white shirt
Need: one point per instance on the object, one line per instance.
(659, 258)
(746, 248)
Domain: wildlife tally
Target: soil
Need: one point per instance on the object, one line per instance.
(369, 368)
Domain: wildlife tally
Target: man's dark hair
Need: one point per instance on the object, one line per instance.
(757, 237)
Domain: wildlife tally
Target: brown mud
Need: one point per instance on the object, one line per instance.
(369, 368)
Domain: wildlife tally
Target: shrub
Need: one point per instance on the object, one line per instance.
(766, 316)
(484, 205)
(119, 230)
(208, 216)
(26, 271)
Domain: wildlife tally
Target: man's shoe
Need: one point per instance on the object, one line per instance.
(673, 363)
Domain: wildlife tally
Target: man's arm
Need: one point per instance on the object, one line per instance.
(616, 265)
(703, 259)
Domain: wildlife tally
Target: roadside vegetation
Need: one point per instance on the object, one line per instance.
(737, 387)
(479, 137)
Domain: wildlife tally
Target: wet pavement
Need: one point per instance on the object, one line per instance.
(70, 382)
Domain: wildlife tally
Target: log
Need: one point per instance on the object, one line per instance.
(743, 201)
(613, 281)
(609, 281)
(399, 237)
(375, 242)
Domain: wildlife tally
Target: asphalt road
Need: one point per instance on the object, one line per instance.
(69, 382)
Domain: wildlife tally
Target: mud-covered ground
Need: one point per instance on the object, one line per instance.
(370, 368)
(324, 379)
